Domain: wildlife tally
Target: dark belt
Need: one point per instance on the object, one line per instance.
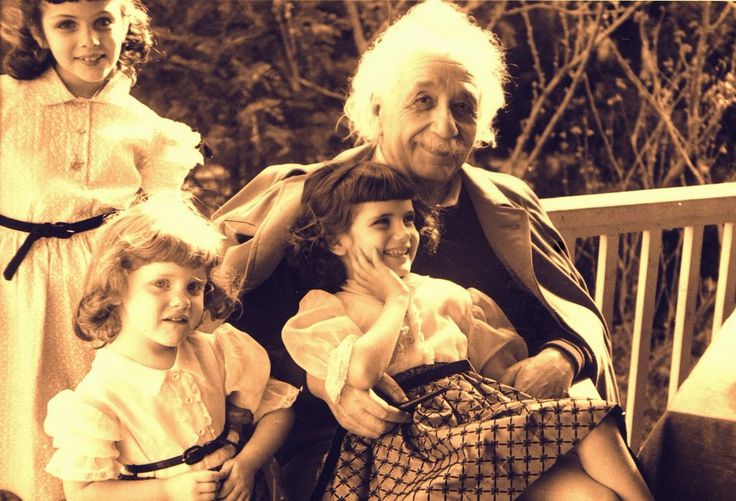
(408, 379)
(37, 231)
(193, 455)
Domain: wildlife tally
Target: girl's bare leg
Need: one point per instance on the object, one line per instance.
(605, 458)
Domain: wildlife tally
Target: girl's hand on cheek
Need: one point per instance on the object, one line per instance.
(195, 485)
(239, 478)
(372, 274)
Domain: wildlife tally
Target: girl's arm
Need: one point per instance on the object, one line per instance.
(372, 351)
(189, 485)
(270, 433)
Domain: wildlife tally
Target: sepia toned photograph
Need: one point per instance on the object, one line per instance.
(280, 250)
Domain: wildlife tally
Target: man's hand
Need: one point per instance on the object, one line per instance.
(548, 374)
(365, 413)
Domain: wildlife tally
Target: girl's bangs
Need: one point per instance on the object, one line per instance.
(378, 185)
(167, 248)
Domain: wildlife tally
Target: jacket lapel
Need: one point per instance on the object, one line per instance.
(506, 228)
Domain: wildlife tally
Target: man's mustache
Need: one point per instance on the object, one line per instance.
(446, 147)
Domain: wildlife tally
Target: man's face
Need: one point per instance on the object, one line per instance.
(428, 120)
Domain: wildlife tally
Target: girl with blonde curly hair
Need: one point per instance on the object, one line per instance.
(157, 405)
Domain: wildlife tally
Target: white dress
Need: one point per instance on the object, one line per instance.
(63, 159)
(126, 413)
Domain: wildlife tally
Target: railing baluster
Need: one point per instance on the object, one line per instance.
(687, 291)
(726, 289)
(571, 241)
(605, 278)
(651, 247)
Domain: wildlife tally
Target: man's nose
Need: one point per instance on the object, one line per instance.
(443, 121)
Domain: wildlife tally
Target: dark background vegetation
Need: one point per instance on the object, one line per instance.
(604, 97)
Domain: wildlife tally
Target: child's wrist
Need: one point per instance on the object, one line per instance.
(398, 298)
(248, 463)
(398, 293)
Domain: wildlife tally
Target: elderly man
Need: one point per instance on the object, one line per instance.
(423, 96)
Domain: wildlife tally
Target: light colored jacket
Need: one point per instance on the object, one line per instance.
(518, 230)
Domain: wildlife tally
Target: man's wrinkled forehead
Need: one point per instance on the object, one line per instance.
(432, 71)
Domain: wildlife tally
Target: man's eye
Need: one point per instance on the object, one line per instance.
(465, 109)
(423, 102)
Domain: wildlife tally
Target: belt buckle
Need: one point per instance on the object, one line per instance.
(60, 229)
(194, 454)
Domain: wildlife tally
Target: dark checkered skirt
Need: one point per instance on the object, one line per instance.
(479, 440)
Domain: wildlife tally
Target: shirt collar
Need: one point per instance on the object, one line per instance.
(51, 90)
(148, 379)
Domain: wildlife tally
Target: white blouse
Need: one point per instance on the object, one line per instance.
(126, 413)
(441, 325)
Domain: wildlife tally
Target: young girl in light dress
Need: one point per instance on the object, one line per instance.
(74, 145)
(470, 437)
(153, 406)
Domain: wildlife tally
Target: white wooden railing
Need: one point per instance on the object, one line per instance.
(610, 215)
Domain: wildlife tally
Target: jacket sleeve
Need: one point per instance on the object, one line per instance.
(548, 242)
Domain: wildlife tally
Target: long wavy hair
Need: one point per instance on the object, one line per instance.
(326, 212)
(165, 228)
(27, 60)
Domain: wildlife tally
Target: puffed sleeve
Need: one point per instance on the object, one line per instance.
(247, 371)
(84, 438)
(493, 343)
(174, 152)
(320, 339)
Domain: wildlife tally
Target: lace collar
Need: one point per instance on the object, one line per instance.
(50, 90)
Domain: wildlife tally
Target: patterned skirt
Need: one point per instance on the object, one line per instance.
(478, 440)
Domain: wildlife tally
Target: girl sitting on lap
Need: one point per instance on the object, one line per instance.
(470, 436)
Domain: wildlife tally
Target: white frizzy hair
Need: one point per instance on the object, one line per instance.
(430, 28)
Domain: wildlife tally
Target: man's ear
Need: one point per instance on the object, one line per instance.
(376, 105)
(37, 35)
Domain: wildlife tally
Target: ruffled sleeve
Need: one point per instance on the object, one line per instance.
(320, 338)
(277, 395)
(247, 370)
(493, 343)
(174, 152)
(84, 438)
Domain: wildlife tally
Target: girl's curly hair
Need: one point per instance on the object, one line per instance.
(165, 228)
(27, 60)
(326, 212)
